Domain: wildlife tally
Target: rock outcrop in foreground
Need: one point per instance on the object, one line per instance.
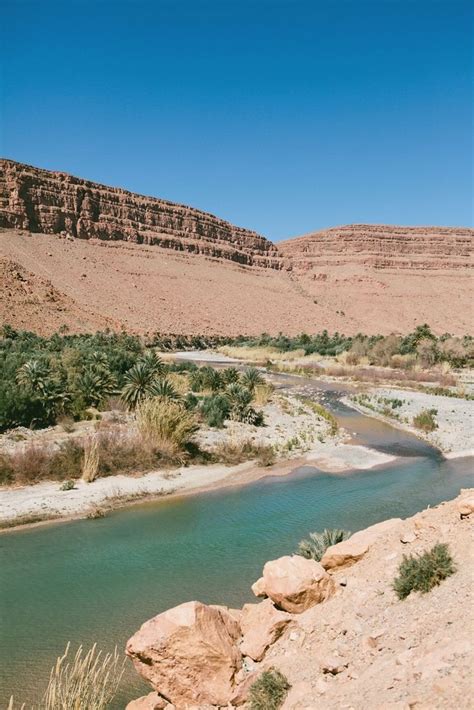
(349, 641)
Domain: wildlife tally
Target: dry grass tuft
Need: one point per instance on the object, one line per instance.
(90, 465)
(89, 680)
(166, 426)
(262, 394)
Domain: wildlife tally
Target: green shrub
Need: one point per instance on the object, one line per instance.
(314, 547)
(423, 572)
(425, 420)
(215, 410)
(269, 690)
(68, 486)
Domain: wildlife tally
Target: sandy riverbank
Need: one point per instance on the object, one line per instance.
(454, 435)
(44, 502)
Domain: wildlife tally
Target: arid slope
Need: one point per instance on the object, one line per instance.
(115, 258)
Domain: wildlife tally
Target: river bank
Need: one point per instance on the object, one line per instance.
(46, 502)
(453, 417)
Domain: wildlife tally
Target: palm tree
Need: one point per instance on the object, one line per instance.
(316, 545)
(139, 381)
(230, 375)
(251, 378)
(152, 362)
(33, 374)
(164, 389)
(95, 385)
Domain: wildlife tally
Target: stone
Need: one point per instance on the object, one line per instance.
(354, 548)
(408, 537)
(466, 507)
(294, 583)
(262, 624)
(333, 665)
(152, 701)
(189, 654)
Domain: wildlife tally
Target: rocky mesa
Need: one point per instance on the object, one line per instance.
(147, 264)
(48, 202)
(336, 630)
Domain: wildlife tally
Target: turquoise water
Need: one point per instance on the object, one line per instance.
(98, 580)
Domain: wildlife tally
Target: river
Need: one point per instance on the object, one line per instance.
(98, 580)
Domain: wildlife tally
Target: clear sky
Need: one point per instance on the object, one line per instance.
(284, 116)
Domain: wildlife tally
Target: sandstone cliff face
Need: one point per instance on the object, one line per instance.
(146, 264)
(39, 200)
(382, 247)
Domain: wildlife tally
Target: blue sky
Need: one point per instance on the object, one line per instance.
(284, 116)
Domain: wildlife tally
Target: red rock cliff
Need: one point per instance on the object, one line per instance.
(39, 200)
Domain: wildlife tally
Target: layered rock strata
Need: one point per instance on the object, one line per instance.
(48, 202)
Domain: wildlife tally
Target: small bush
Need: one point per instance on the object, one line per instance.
(314, 547)
(215, 410)
(66, 423)
(232, 453)
(321, 411)
(423, 572)
(425, 420)
(166, 426)
(262, 394)
(269, 690)
(68, 486)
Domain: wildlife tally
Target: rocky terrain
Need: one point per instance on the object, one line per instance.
(335, 629)
(147, 264)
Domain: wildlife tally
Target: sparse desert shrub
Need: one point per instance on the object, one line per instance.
(215, 410)
(90, 464)
(66, 423)
(262, 394)
(420, 573)
(425, 420)
(166, 426)
(314, 547)
(325, 414)
(234, 452)
(269, 690)
(95, 512)
(68, 486)
(191, 401)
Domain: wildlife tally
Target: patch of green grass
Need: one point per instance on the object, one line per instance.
(269, 690)
(421, 573)
(314, 547)
(425, 420)
(321, 411)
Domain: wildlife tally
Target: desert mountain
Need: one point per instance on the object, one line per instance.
(85, 255)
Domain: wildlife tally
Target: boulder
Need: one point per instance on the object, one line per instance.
(349, 551)
(466, 507)
(294, 583)
(152, 701)
(261, 625)
(189, 654)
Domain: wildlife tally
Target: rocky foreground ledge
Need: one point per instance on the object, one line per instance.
(335, 629)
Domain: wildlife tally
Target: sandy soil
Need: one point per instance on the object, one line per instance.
(88, 284)
(455, 417)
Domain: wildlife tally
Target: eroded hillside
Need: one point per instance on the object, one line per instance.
(147, 264)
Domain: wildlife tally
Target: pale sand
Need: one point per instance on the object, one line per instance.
(46, 500)
(454, 416)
